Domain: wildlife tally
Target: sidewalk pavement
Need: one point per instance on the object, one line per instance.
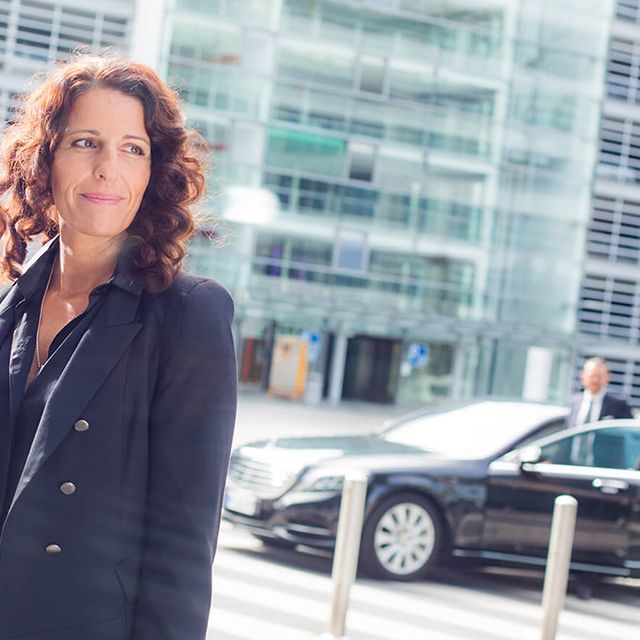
(260, 416)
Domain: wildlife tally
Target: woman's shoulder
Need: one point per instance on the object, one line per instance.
(196, 296)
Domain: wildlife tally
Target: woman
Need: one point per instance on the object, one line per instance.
(117, 370)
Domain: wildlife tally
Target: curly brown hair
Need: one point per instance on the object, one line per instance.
(165, 219)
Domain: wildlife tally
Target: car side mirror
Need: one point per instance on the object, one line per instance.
(531, 454)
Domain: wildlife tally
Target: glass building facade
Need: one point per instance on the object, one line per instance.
(408, 182)
(36, 33)
(609, 310)
(432, 162)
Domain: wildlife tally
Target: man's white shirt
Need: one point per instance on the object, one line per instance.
(595, 402)
(589, 411)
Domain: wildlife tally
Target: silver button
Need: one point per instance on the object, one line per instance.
(53, 548)
(81, 425)
(68, 488)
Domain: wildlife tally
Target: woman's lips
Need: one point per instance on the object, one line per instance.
(101, 198)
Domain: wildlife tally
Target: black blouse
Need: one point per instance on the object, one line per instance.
(16, 356)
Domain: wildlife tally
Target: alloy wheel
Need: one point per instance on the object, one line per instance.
(404, 538)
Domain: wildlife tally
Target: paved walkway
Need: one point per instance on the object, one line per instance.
(260, 416)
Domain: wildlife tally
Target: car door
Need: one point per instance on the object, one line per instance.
(598, 466)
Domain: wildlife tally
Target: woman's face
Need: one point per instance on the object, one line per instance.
(101, 166)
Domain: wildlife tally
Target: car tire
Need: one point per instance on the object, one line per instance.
(402, 538)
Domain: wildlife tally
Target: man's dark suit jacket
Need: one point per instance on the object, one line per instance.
(613, 407)
(141, 422)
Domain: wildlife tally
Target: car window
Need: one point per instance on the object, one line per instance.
(614, 448)
(551, 427)
(474, 431)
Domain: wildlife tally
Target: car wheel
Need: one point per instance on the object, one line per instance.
(401, 538)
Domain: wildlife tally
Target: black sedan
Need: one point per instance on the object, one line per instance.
(474, 481)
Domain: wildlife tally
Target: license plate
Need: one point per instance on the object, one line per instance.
(241, 501)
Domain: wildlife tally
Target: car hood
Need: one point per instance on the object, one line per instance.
(327, 447)
(370, 452)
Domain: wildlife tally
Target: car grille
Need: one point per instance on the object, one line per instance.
(262, 478)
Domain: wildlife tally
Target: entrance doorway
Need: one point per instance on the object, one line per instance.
(371, 369)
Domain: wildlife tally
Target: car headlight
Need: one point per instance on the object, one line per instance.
(317, 483)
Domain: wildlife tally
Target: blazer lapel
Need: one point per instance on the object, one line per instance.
(7, 309)
(15, 393)
(23, 286)
(96, 355)
(604, 407)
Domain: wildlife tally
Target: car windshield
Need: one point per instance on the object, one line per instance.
(474, 431)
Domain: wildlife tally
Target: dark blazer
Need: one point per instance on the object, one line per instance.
(613, 407)
(141, 423)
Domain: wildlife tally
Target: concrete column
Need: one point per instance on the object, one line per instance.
(338, 362)
(459, 362)
(147, 32)
(537, 374)
(484, 369)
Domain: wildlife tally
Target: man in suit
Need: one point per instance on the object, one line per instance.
(595, 402)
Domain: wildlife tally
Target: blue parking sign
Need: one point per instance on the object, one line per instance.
(314, 340)
(418, 355)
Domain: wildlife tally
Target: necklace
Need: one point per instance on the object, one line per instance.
(44, 297)
(68, 317)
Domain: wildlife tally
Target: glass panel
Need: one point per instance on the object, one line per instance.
(214, 43)
(399, 168)
(250, 12)
(305, 151)
(415, 83)
(615, 448)
(361, 161)
(315, 63)
(350, 254)
(372, 73)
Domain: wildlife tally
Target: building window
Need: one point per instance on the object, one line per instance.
(372, 73)
(614, 230)
(294, 258)
(400, 167)
(314, 196)
(47, 31)
(310, 152)
(361, 161)
(350, 253)
(609, 307)
(619, 157)
(306, 256)
(269, 254)
(247, 144)
(623, 70)
(628, 10)
(4, 26)
(316, 62)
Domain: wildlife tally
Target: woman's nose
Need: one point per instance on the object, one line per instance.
(106, 165)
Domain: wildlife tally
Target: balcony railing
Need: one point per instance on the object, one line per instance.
(432, 216)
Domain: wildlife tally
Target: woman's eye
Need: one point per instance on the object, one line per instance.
(135, 149)
(84, 143)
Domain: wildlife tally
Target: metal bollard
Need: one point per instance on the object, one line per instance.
(556, 575)
(345, 558)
